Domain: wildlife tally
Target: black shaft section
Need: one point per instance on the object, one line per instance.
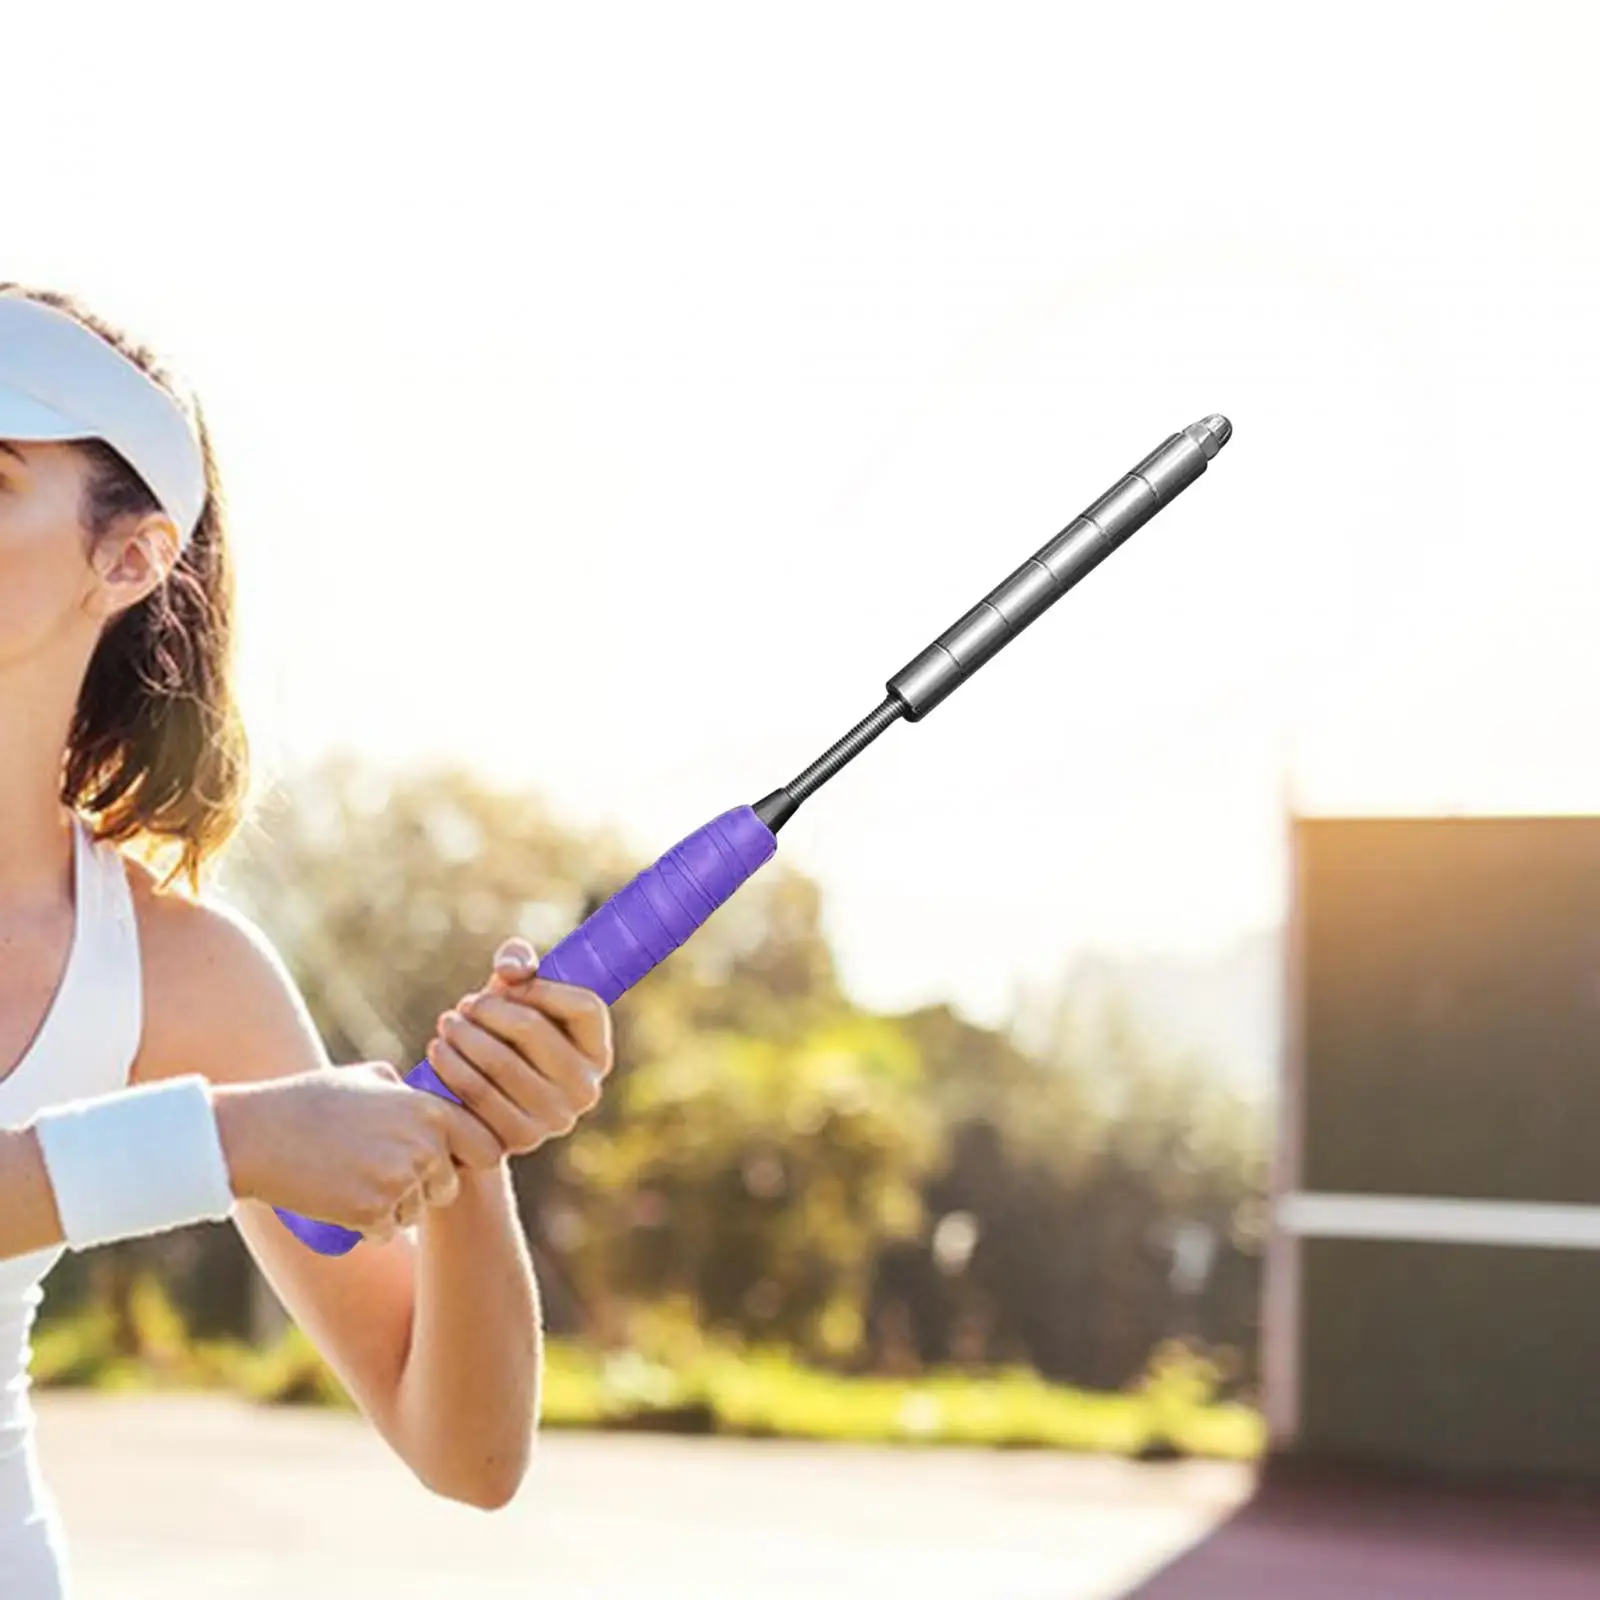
(781, 804)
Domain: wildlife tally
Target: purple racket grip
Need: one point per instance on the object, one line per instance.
(635, 930)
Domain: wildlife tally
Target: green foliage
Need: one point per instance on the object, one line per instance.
(758, 1177)
(711, 1387)
(86, 1349)
(292, 1372)
(767, 1394)
(75, 1351)
(91, 1349)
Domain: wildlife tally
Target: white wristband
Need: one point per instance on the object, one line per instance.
(143, 1160)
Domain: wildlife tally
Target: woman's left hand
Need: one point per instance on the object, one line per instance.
(526, 1055)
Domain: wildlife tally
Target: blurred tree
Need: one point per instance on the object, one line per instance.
(1078, 1165)
(757, 1178)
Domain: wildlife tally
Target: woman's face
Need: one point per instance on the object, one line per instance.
(45, 576)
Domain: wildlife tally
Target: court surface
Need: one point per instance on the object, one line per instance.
(182, 1496)
(1353, 1540)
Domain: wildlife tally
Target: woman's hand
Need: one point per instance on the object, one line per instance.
(356, 1146)
(527, 1055)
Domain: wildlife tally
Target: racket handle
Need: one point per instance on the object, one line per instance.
(633, 932)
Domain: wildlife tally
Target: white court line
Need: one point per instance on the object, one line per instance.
(1431, 1221)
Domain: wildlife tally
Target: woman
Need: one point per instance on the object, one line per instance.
(156, 1062)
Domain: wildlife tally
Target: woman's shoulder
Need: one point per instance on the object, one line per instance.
(197, 941)
(219, 998)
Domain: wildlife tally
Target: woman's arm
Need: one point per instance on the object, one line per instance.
(350, 1147)
(28, 1218)
(436, 1337)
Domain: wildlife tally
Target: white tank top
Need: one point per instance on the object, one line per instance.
(85, 1047)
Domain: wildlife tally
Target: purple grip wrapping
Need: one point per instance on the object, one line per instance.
(635, 930)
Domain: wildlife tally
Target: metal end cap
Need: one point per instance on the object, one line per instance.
(1211, 433)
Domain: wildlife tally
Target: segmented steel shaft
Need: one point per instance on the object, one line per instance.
(1044, 577)
(1025, 596)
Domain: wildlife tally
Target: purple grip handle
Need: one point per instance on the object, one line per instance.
(635, 930)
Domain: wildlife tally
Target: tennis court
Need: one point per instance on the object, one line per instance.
(193, 1495)
(200, 1495)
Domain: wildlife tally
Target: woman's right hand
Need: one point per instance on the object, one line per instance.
(356, 1146)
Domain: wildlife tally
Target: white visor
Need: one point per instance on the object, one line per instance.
(60, 380)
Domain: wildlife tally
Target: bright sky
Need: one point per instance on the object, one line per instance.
(615, 396)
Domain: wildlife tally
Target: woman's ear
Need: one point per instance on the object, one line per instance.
(131, 562)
